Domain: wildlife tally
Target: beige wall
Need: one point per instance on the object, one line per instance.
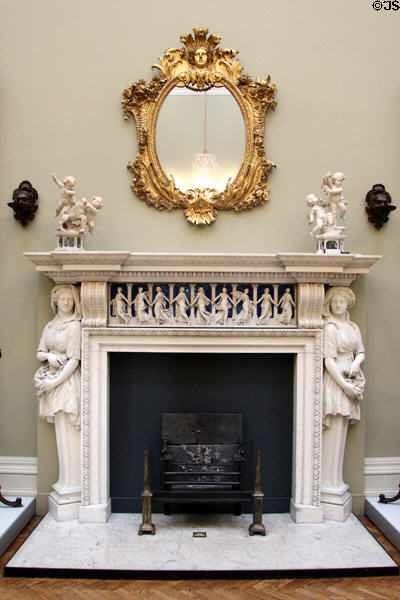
(65, 65)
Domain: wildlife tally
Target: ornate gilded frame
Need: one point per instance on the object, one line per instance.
(200, 65)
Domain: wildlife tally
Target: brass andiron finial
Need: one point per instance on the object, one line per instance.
(257, 527)
(146, 526)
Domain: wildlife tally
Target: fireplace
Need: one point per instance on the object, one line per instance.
(295, 333)
(143, 386)
(100, 343)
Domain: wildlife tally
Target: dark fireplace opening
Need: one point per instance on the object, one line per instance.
(145, 385)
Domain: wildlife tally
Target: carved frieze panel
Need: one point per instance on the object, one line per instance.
(202, 305)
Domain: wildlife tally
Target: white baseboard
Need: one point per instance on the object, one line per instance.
(18, 475)
(382, 475)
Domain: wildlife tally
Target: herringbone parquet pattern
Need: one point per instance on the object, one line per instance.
(364, 588)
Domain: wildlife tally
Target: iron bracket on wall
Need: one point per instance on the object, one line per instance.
(24, 203)
(379, 205)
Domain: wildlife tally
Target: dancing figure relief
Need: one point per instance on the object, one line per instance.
(266, 306)
(201, 302)
(191, 306)
(287, 305)
(181, 306)
(141, 302)
(245, 315)
(162, 314)
(221, 304)
(119, 305)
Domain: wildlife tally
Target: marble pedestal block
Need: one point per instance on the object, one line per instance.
(64, 506)
(336, 504)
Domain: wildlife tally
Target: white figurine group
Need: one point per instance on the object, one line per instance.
(75, 215)
(156, 311)
(324, 211)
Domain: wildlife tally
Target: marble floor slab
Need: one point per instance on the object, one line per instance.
(386, 517)
(117, 547)
(13, 520)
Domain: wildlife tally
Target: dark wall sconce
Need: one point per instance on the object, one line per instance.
(24, 203)
(379, 205)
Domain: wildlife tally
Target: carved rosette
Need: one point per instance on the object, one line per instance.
(200, 65)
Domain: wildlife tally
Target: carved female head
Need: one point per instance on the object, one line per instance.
(338, 301)
(201, 57)
(69, 296)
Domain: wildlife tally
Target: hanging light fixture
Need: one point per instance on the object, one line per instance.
(204, 161)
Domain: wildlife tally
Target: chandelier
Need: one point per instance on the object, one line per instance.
(204, 161)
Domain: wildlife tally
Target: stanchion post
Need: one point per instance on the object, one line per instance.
(257, 527)
(146, 526)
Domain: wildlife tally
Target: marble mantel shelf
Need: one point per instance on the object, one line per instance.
(124, 266)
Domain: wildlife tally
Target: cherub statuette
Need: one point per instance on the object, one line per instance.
(318, 215)
(324, 213)
(74, 215)
(332, 186)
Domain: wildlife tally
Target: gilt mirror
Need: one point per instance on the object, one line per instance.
(200, 138)
(200, 127)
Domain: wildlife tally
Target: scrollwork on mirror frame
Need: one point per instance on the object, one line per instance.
(200, 65)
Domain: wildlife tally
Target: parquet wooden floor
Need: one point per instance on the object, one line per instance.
(363, 588)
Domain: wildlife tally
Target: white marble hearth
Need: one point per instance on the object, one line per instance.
(228, 546)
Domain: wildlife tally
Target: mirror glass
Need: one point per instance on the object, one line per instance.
(190, 122)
